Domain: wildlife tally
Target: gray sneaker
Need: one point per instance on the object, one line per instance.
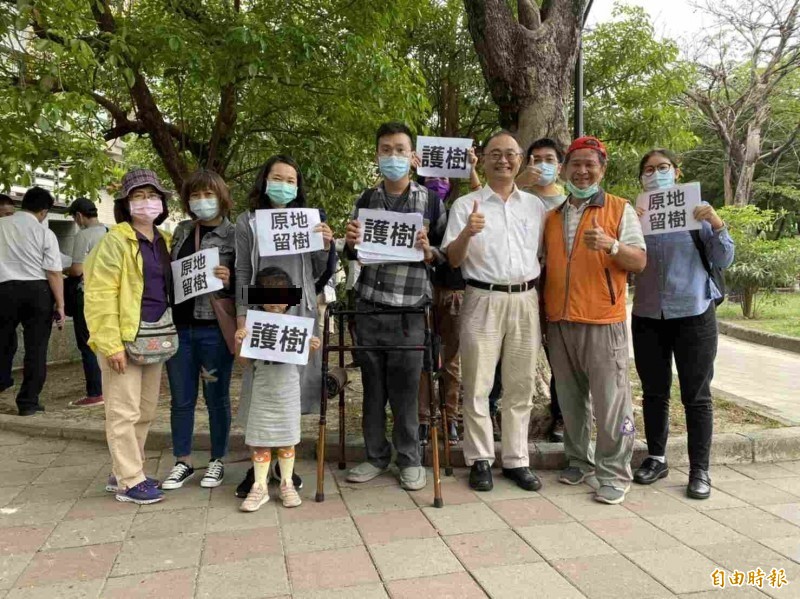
(610, 495)
(364, 472)
(413, 478)
(573, 475)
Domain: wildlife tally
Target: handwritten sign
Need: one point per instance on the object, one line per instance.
(194, 275)
(444, 157)
(388, 236)
(669, 210)
(288, 231)
(277, 337)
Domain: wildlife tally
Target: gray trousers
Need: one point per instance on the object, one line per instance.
(391, 377)
(592, 358)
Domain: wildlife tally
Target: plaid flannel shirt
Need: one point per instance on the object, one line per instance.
(404, 284)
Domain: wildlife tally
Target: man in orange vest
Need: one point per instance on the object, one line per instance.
(591, 243)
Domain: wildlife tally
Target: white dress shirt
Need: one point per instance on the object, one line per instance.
(27, 249)
(506, 252)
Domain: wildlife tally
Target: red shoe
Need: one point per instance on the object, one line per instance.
(87, 402)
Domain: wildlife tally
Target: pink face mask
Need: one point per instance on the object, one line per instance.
(146, 210)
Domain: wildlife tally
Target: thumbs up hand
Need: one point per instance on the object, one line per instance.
(476, 220)
(596, 239)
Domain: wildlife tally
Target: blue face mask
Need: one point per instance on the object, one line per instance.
(394, 168)
(281, 193)
(205, 208)
(548, 173)
(579, 193)
(659, 180)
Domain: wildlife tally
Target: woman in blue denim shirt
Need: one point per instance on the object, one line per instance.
(674, 316)
(203, 355)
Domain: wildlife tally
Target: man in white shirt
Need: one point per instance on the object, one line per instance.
(495, 235)
(30, 283)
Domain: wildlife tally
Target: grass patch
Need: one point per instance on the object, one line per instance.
(778, 314)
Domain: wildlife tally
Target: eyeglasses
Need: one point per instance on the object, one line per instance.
(662, 168)
(139, 196)
(497, 156)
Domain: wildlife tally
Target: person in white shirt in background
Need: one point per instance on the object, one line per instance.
(30, 284)
(495, 236)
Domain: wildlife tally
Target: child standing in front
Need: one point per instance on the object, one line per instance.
(272, 409)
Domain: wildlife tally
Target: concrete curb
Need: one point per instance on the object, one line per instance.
(769, 445)
(773, 340)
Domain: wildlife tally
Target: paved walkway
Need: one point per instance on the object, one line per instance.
(62, 536)
(763, 377)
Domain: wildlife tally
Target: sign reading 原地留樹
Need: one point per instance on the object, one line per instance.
(669, 210)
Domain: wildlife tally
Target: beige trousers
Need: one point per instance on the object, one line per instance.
(494, 323)
(130, 403)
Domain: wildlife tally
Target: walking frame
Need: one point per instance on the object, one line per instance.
(431, 347)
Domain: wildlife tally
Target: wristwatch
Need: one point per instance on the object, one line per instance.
(614, 250)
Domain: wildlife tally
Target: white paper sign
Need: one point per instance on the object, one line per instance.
(389, 235)
(444, 157)
(669, 210)
(194, 275)
(288, 231)
(277, 337)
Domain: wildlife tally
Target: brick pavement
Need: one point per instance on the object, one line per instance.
(62, 536)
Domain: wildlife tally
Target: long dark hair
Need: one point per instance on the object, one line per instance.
(258, 194)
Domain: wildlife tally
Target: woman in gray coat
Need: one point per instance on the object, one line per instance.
(279, 184)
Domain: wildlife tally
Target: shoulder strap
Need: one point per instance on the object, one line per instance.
(364, 198)
(197, 237)
(698, 243)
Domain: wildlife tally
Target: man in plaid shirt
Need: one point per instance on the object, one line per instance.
(394, 376)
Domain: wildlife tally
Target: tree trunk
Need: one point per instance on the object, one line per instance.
(748, 302)
(744, 186)
(727, 181)
(528, 69)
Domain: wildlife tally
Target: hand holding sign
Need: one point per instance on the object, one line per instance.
(352, 233)
(327, 234)
(223, 274)
(476, 220)
(707, 213)
(596, 238)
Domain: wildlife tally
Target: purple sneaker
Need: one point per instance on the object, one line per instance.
(142, 494)
(113, 487)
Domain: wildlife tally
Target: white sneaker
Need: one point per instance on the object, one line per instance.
(179, 474)
(214, 474)
(289, 496)
(258, 496)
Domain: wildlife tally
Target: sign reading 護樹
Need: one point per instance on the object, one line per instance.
(194, 275)
(277, 337)
(388, 236)
(288, 231)
(669, 210)
(444, 157)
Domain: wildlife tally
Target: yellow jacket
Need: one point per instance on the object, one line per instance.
(113, 287)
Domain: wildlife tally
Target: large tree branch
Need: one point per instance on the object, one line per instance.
(528, 13)
(773, 155)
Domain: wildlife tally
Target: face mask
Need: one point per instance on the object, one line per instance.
(440, 188)
(658, 180)
(394, 168)
(581, 194)
(281, 193)
(205, 208)
(548, 173)
(146, 210)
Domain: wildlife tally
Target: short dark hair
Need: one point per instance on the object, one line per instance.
(273, 276)
(83, 206)
(258, 193)
(201, 180)
(546, 142)
(37, 199)
(5, 200)
(393, 128)
(668, 154)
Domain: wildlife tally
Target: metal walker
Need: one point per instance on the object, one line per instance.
(337, 380)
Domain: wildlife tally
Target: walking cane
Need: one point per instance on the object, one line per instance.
(343, 372)
(323, 411)
(437, 482)
(439, 366)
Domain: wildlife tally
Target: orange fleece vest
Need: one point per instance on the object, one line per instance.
(586, 286)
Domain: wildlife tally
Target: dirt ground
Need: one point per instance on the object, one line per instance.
(65, 383)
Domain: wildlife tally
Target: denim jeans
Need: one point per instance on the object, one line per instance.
(91, 369)
(202, 356)
(692, 341)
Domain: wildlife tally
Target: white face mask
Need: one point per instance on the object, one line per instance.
(205, 208)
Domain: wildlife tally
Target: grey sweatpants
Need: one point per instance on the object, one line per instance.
(594, 358)
(392, 377)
